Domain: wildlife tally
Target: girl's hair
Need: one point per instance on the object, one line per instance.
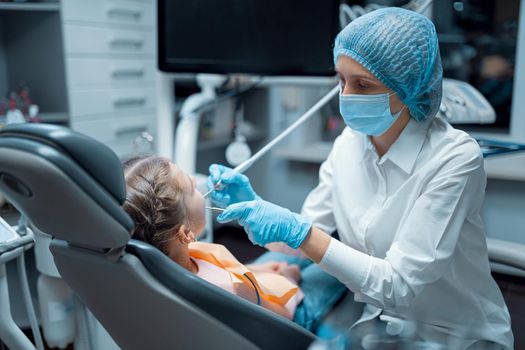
(154, 200)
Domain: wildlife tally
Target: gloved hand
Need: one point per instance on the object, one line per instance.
(266, 222)
(237, 186)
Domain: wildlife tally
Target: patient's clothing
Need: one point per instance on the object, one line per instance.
(214, 274)
(270, 290)
(321, 290)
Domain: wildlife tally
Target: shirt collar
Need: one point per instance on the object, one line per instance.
(405, 150)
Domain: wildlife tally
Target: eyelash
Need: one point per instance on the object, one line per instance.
(360, 85)
(363, 86)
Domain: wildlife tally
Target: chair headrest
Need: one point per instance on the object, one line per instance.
(94, 157)
(69, 185)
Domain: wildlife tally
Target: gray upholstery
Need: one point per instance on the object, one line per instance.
(142, 298)
(36, 160)
(138, 311)
(266, 329)
(80, 148)
(57, 205)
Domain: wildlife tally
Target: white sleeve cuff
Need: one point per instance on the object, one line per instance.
(347, 264)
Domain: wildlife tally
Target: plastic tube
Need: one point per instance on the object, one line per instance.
(241, 168)
(10, 334)
(28, 301)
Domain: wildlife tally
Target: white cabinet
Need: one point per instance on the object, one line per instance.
(139, 13)
(90, 72)
(89, 40)
(87, 103)
(110, 57)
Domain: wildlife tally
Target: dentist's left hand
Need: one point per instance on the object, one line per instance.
(237, 186)
(266, 222)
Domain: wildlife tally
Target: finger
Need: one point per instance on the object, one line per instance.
(215, 172)
(234, 177)
(251, 238)
(282, 266)
(220, 198)
(210, 183)
(233, 212)
(273, 265)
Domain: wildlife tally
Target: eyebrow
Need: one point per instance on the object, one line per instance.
(362, 76)
(365, 76)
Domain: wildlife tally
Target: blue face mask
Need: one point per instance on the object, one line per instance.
(368, 114)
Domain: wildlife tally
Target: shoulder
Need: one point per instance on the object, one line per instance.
(453, 146)
(454, 143)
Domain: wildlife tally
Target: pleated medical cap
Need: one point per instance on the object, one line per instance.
(400, 48)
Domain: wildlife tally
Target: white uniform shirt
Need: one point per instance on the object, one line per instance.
(412, 239)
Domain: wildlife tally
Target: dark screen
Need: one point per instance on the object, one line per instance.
(271, 37)
(478, 41)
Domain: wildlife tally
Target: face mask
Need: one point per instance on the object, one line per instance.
(368, 114)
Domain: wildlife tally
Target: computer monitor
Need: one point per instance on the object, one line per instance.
(259, 37)
(479, 44)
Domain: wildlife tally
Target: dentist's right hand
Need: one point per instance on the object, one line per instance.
(237, 186)
(265, 222)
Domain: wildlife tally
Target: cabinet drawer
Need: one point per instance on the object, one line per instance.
(116, 102)
(82, 72)
(128, 149)
(116, 131)
(94, 40)
(109, 12)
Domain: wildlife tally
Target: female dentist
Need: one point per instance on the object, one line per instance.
(402, 188)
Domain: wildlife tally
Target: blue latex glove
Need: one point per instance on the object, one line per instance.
(237, 186)
(266, 222)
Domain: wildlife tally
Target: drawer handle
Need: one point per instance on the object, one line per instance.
(129, 101)
(122, 73)
(144, 138)
(131, 129)
(118, 11)
(133, 43)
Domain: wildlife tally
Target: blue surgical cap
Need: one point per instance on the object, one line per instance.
(400, 48)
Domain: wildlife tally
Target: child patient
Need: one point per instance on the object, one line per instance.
(168, 213)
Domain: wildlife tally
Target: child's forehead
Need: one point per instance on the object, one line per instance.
(179, 175)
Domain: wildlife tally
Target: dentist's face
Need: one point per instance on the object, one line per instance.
(195, 205)
(356, 79)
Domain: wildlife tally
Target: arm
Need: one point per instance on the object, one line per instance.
(424, 246)
(318, 207)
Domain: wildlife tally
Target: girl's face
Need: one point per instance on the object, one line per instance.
(193, 199)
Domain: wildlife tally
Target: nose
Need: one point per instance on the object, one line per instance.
(347, 90)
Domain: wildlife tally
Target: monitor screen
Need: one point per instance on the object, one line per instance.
(261, 37)
(478, 42)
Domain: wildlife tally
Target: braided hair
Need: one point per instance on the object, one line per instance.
(154, 200)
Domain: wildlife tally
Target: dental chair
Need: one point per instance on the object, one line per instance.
(72, 187)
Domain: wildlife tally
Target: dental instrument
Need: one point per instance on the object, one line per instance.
(241, 168)
(215, 208)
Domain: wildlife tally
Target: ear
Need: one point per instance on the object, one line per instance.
(185, 235)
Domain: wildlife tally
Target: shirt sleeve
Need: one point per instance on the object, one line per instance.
(425, 243)
(318, 205)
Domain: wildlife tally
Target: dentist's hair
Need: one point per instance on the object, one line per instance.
(154, 200)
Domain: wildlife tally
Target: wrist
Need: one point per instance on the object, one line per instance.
(300, 232)
(315, 244)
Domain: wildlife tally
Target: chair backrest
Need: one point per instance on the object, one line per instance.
(72, 187)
